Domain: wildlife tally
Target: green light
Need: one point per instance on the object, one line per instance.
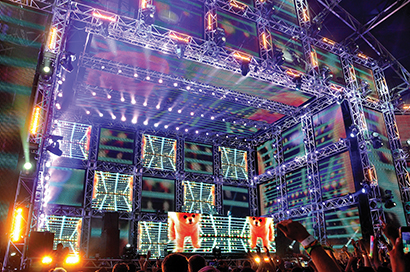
(46, 69)
(27, 165)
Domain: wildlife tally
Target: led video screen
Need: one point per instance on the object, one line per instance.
(157, 194)
(234, 163)
(198, 158)
(235, 200)
(199, 197)
(329, 126)
(331, 61)
(283, 10)
(403, 125)
(342, 225)
(241, 33)
(112, 191)
(66, 186)
(365, 75)
(76, 139)
(382, 160)
(265, 155)
(292, 50)
(269, 197)
(66, 229)
(121, 7)
(116, 146)
(159, 152)
(336, 176)
(298, 188)
(183, 16)
(200, 233)
(292, 141)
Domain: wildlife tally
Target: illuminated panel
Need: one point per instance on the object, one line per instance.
(265, 154)
(198, 158)
(269, 200)
(292, 141)
(182, 16)
(342, 225)
(128, 8)
(199, 197)
(329, 126)
(152, 236)
(364, 74)
(284, 10)
(240, 33)
(297, 186)
(382, 160)
(112, 191)
(234, 163)
(116, 146)
(336, 176)
(403, 124)
(332, 61)
(159, 152)
(292, 50)
(157, 194)
(235, 200)
(67, 230)
(65, 186)
(76, 141)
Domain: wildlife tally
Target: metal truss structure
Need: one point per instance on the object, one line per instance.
(136, 32)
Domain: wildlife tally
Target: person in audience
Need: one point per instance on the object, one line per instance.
(120, 267)
(196, 262)
(175, 262)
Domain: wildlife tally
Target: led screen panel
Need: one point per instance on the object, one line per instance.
(269, 197)
(241, 33)
(183, 16)
(383, 162)
(282, 10)
(331, 61)
(298, 188)
(292, 50)
(292, 141)
(66, 186)
(336, 176)
(234, 163)
(235, 201)
(153, 236)
(199, 197)
(116, 146)
(198, 158)
(403, 124)
(329, 126)
(365, 75)
(66, 229)
(342, 225)
(112, 191)
(266, 156)
(121, 7)
(76, 139)
(157, 194)
(159, 152)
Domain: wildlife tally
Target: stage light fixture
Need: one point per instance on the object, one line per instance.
(278, 58)
(27, 165)
(298, 82)
(128, 252)
(365, 89)
(219, 37)
(72, 259)
(326, 74)
(245, 67)
(54, 145)
(376, 140)
(217, 252)
(66, 61)
(148, 14)
(180, 50)
(46, 260)
(353, 131)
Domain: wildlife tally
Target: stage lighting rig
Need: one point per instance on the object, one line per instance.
(217, 252)
(365, 89)
(180, 49)
(128, 252)
(376, 140)
(148, 14)
(245, 67)
(354, 131)
(54, 145)
(387, 199)
(219, 37)
(66, 61)
(277, 57)
(47, 65)
(326, 74)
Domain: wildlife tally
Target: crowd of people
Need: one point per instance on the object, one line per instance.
(316, 258)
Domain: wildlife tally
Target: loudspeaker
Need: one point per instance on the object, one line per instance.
(110, 220)
(110, 243)
(40, 243)
(284, 245)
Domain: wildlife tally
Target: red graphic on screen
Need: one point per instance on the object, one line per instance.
(181, 225)
(261, 227)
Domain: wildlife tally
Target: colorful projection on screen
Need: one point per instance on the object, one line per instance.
(298, 188)
(183, 16)
(292, 50)
(112, 191)
(265, 154)
(200, 233)
(336, 176)
(159, 152)
(157, 195)
(282, 10)
(269, 197)
(66, 229)
(383, 162)
(116, 146)
(342, 225)
(76, 139)
(292, 141)
(198, 158)
(234, 163)
(331, 61)
(365, 77)
(199, 197)
(240, 33)
(65, 186)
(235, 200)
(329, 126)
(121, 7)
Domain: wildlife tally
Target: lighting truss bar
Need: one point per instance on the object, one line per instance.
(43, 5)
(195, 87)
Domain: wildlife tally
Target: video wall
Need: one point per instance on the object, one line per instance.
(199, 197)
(76, 139)
(66, 229)
(329, 126)
(198, 158)
(157, 195)
(298, 187)
(116, 146)
(269, 197)
(234, 163)
(365, 77)
(200, 233)
(292, 50)
(159, 152)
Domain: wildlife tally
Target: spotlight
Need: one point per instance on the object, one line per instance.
(353, 131)
(387, 199)
(219, 37)
(46, 260)
(245, 67)
(72, 259)
(326, 74)
(148, 14)
(298, 81)
(180, 50)
(376, 140)
(28, 165)
(54, 146)
(66, 61)
(128, 252)
(278, 58)
(217, 252)
(365, 89)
